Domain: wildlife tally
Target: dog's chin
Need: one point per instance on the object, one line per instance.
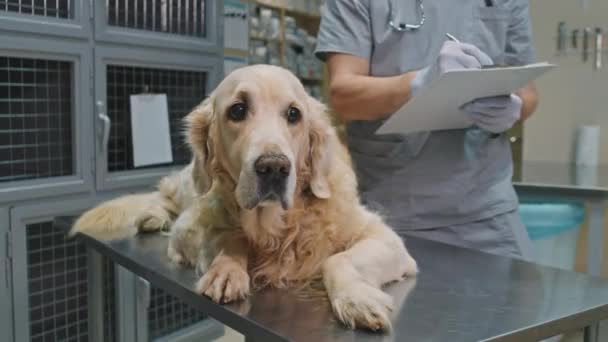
(266, 201)
(273, 203)
(250, 194)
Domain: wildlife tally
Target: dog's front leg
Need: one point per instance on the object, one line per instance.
(354, 278)
(226, 278)
(186, 238)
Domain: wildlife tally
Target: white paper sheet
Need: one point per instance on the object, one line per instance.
(151, 137)
(437, 107)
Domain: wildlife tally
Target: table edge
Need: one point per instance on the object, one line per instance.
(239, 323)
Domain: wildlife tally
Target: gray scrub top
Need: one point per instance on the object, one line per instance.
(432, 179)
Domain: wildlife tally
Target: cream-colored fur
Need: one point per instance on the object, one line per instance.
(324, 233)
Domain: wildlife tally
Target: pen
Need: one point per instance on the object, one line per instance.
(452, 38)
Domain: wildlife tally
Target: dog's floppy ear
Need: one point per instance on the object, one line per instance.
(322, 140)
(198, 127)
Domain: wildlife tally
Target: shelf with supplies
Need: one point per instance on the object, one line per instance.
(302, 8)
(284, 33)
(265, 39)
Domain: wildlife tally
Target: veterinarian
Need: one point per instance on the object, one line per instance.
(454, 185)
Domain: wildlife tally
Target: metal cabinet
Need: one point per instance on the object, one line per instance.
(67, 69)
(64, 91)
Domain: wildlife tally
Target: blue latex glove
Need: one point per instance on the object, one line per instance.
(494, 114)
(452, 56)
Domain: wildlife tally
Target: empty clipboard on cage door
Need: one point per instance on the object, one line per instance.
(150, 133)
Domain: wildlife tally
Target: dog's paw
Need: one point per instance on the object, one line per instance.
(153, 220)
(363, 306)
(175, 256)
(410, 267)
(224, 282)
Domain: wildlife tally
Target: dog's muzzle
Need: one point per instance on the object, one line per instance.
(272, 171)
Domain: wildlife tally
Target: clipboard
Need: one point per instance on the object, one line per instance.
(150, 129)
(438, 106)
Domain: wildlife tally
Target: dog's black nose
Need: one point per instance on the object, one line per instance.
(272, 167)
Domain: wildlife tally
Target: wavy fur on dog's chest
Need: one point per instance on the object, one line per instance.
(291, 252)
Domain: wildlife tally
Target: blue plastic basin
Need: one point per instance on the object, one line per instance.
(544, 220)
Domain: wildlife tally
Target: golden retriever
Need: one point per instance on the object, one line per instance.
(269, 200)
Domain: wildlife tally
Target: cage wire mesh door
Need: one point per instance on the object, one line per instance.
(57, 280)
(168, 314)
(180, 17)
(59, 9)
(36, 122)
(184, 90)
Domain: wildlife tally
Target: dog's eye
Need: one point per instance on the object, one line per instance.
(293, 115)
(237, 112)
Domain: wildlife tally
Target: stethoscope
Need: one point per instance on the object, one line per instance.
(403, 27)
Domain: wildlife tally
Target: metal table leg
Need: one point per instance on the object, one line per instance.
(592, 333)
(595, 254)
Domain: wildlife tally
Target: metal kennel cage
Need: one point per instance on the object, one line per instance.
(67, 69)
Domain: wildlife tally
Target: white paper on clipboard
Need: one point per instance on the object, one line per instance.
(150, 134)
(437, 107)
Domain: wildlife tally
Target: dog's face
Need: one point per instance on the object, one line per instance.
(264, 131)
